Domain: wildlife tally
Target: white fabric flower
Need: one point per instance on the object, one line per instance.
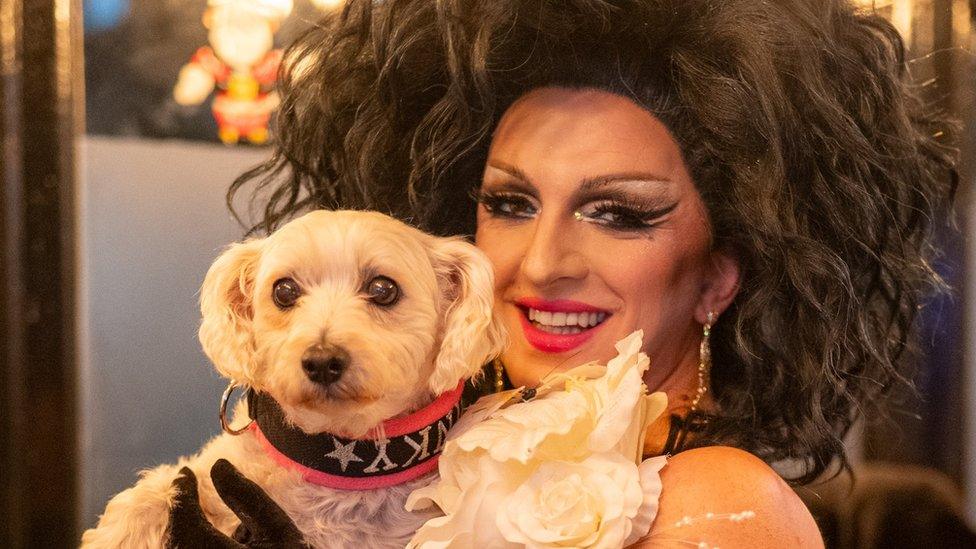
(562, 470)
(573, 504)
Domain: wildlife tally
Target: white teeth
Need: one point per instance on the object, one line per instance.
(559, 323)
(561, 330)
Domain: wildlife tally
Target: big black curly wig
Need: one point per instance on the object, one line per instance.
(821, 169)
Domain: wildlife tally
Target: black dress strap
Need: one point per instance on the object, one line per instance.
(694, 422)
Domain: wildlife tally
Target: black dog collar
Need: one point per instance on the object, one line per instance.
(409, 450)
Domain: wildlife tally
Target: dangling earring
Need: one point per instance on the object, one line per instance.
(704, 362)
(499, 375)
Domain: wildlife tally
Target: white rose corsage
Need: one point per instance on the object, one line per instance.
(563, 469)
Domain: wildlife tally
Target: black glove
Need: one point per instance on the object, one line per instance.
(263, 522)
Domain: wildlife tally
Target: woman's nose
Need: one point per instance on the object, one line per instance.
(554, 253)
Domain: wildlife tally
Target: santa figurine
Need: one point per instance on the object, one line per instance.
(241, 63)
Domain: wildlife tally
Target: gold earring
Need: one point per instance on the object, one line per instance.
(704, 362)
(578, 215)
(499, 375)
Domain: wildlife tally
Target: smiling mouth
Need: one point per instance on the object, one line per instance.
(563, 323)
(558, 326)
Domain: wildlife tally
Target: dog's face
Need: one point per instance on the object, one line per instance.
(348, 318)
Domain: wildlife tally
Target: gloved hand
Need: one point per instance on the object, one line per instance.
(263, 522)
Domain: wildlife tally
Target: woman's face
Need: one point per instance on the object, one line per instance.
(595, 229)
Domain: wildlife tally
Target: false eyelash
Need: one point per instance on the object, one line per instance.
(492, 200)
(637, 216)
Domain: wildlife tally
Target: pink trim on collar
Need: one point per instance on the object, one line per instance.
(416, 421)
(424, 416)
(343, 483)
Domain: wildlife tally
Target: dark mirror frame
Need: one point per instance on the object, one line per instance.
(40, 107)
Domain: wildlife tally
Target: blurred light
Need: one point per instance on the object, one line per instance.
(327, 4)
(962, 23)
(275, 8)
(272, 9)
(901, 14)
(100, 15)
(872, 4)
(901, 18)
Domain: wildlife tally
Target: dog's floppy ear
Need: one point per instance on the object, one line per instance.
(471, 335)
(225, 301)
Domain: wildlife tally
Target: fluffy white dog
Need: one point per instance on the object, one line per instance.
(342, 320)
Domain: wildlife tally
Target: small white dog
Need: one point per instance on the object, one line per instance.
(340, 321)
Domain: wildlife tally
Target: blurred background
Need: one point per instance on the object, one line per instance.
(124, 122)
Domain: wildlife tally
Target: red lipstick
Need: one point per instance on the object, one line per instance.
(549, 342)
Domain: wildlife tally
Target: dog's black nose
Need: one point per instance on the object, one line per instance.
(324, 364)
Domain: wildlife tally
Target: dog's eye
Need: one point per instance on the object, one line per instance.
(285, 292)
(383, 291)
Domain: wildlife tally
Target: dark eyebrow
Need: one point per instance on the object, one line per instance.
(589, 184)
(520, 184)
(510, 170)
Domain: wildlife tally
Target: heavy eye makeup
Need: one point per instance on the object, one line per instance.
(623, 212)
(614, 211)
(507, 204)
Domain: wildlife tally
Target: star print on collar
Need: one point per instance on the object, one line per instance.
(344, 453)
(409, 449)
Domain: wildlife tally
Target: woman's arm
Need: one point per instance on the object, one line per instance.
(728, 498)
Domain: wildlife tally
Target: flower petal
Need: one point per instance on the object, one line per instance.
(483, 408)
(650, 482)
(560, 470)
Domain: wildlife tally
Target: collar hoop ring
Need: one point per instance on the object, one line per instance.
(224, 399)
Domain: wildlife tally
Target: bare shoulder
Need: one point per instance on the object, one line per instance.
(729, 498)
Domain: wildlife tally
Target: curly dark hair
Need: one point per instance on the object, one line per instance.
(821, 169)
